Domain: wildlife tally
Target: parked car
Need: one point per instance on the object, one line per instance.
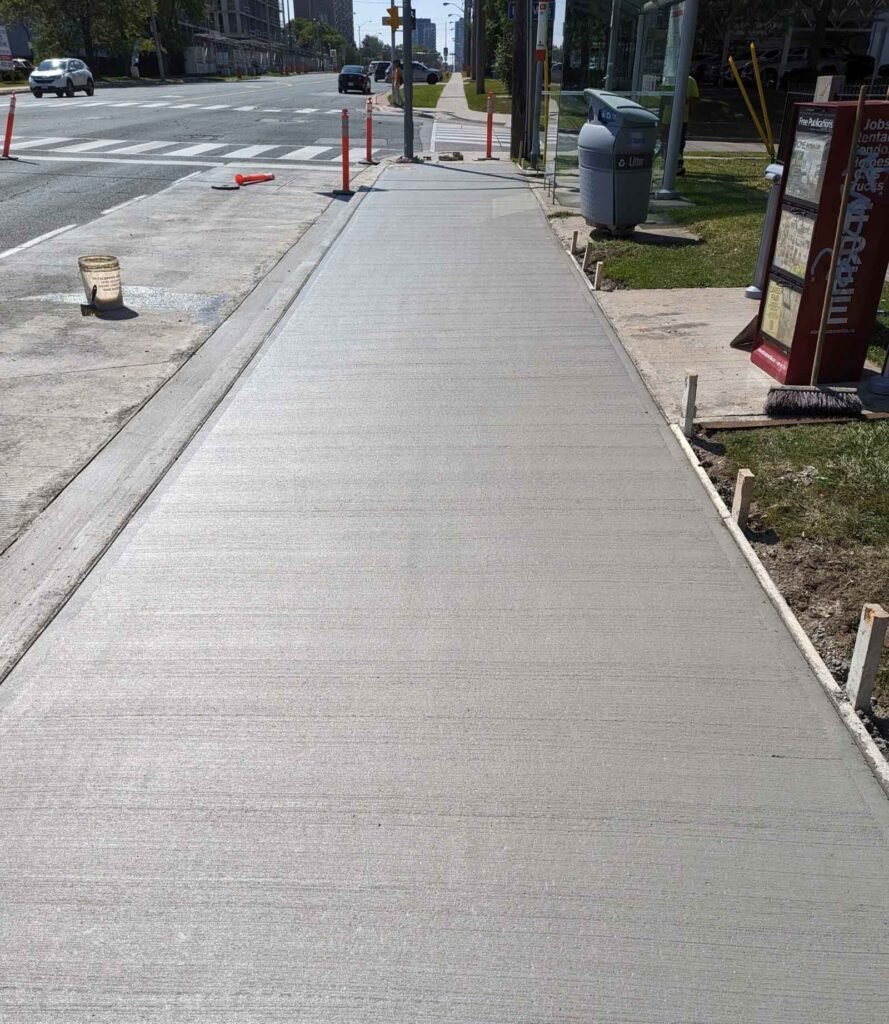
(432, 76)
(21, 68)
(829, 62)
(377, 70)
(63, 76)
(353, 79)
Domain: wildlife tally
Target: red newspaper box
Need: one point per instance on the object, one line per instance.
(811, 191)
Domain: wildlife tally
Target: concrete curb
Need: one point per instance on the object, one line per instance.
(835, 692)
(46, 564)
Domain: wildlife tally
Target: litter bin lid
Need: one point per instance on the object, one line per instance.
(609, 108)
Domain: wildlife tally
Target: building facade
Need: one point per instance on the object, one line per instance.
(343, 20)
(459, 37)
(314, 10)
(424, 37)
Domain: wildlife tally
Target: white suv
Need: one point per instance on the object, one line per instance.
(63, 76)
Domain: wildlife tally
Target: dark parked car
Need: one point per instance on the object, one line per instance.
(377, 70)
(352, 78)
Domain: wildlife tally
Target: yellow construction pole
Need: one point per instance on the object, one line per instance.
(750, 110)
(762, 101)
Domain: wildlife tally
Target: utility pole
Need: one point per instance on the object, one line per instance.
(155, 31)
(539, 56)
(480, 47)
(519, 80)
(407, 30)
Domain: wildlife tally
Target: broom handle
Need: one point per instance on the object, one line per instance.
(838, 238)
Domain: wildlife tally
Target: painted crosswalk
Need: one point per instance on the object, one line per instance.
(170, 150)
(449, 135)
(169, 104)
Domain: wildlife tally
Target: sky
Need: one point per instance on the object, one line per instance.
(369, 14)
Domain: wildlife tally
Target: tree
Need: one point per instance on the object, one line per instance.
(81, 27)
(373, 47)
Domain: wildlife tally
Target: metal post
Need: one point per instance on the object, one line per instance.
(393, 67)
(408, 39)
(636, 83)
(680, 93)
(10, 119)
(613, 33)
(539, 56)
(158, 48)
(529, 77)
(774, 173)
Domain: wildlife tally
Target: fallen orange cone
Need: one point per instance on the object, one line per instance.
(252, 179)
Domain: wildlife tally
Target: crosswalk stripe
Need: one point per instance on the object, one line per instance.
(160, 103)
(217, 106)
(247, 152)
(84, 147)
(306, 110)
(182, 106)
(306, 153)
(268, 110)
(245, 108)
(143, 147)
(200, 147)
(34, 143)
(126, 103)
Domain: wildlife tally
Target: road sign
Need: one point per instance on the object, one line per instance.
(510, 9)
(394, 19)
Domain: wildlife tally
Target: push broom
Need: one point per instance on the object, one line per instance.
(812, 399)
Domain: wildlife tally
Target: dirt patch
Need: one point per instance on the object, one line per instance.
(825, 584)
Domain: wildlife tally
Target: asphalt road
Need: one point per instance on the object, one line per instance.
(80, 157)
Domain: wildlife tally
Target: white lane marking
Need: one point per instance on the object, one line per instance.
(85, 147)
(182, 106)
(28, 144)
(126, 103)
(198, 148)
(245, 108)
(35, 241)
(160, 103)
(316, 165)
(306, 110)
(247, 152)
(267, 110)
(217, 106)
(143, 147)
(120, 206)
(306, 153)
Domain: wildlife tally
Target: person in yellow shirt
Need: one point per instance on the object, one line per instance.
(692, 94)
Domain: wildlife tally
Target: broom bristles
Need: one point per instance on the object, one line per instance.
(812, 402)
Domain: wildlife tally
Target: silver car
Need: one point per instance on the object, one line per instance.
(432, 76)
(64, 76)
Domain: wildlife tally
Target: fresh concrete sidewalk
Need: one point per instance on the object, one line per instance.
(188, 255)
(427, 686)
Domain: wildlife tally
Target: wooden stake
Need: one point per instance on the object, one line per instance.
(587, 256)
(866, 656)
(689, 407)
(743, 494)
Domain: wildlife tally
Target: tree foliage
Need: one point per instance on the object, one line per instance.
(80, 27)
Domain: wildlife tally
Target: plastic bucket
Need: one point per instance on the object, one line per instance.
(101, 281)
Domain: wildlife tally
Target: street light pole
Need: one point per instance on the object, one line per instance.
(467, 39)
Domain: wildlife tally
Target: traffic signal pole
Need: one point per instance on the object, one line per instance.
(408, 36)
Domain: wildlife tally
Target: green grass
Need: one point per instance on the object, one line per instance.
(427, 95)
(502, 101)
(730, 200)
(825, 483)
(880, 341)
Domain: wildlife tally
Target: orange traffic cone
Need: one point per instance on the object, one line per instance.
(252, 179)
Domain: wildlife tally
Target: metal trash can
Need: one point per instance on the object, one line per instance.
(615, 154)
